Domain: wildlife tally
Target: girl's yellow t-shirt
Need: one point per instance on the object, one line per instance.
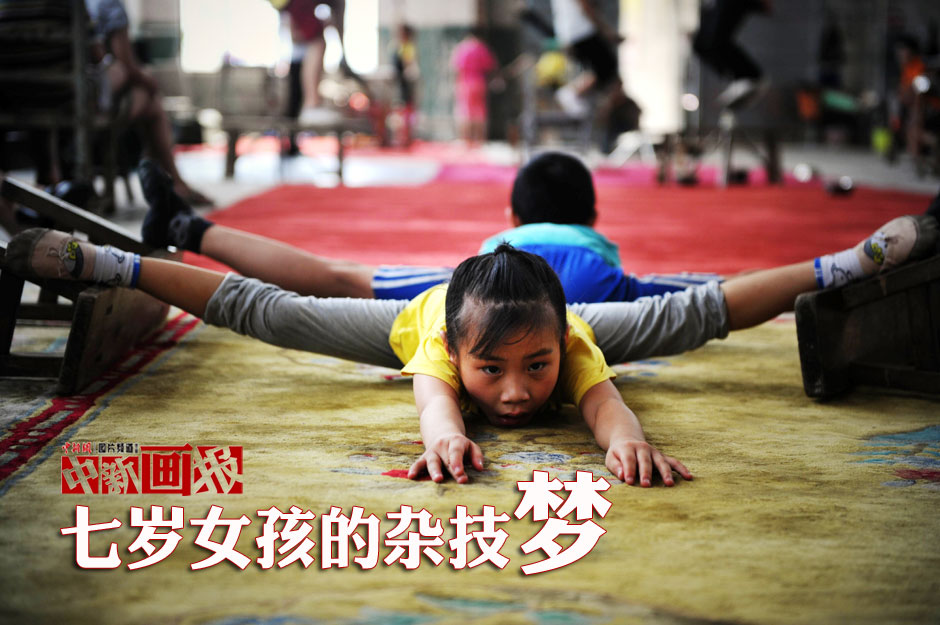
(416, 338)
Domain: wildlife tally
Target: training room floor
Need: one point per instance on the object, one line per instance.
(801, 511)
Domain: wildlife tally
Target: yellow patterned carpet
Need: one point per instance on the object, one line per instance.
(801, 512)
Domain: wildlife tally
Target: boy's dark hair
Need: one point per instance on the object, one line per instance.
(514, 290)
(554, 188)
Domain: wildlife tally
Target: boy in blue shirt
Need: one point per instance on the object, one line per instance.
(553, 213)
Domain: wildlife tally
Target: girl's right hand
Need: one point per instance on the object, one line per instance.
(449, 451)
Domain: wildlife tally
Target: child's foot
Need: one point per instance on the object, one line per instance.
(164, 202)
(40, 253)
(898, 241)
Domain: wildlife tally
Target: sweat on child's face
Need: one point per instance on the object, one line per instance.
(511, 383)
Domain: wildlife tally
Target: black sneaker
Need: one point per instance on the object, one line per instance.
(164, 203)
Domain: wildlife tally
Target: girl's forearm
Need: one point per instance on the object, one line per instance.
(440, 417)
(438, 408)
(608, 416)
(616, 422)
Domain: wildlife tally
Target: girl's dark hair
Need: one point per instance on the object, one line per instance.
(554, 188)
(515, 291)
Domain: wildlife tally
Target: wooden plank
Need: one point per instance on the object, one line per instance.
(914, 273)
(108, 322)
(69, 217)
(883, 332)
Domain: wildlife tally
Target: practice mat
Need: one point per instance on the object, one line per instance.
(801, 512)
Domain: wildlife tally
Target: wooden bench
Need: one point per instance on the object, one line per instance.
(235, 125)
(105, 321)
(762, 142)
(883, 332)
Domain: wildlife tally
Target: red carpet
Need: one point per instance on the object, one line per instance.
(657, 229)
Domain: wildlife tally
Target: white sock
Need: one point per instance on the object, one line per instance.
(114, 267)
(838, 269)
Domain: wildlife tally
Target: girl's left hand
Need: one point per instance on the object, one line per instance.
(448, 453)
(627, 459)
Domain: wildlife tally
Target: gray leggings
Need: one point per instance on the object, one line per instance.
(358, 329)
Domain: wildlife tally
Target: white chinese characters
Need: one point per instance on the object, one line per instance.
(416, 536)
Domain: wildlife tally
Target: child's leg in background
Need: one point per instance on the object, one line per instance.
(305, 273)
(171, 221)
(660, 283)
(288, 267)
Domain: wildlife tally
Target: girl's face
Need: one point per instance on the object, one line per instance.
(512, 383)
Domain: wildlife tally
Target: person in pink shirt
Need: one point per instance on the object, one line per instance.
(473, 61)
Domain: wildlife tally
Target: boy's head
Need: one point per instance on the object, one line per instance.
(506, 326)
(554, 188)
